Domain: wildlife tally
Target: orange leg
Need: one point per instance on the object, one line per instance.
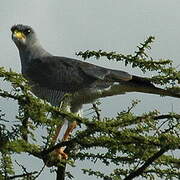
(68, 132)
(54, 138)
(60, 151)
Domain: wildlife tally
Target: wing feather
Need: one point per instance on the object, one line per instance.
(69, 75)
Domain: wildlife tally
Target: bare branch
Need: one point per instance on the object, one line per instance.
(149, 161)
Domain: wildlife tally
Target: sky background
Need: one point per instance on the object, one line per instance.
(65, 27)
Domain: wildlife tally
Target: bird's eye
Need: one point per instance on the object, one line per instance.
(27, 31)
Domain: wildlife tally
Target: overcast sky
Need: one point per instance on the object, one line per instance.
(65, 27)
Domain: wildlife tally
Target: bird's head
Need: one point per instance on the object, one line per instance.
(23, 35)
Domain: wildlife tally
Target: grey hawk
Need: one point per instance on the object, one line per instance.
(51, 77)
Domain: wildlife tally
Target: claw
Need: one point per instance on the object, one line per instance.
(55, 156)
(61, 154)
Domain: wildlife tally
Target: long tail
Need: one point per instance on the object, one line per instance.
(136, 84)
(139, 84)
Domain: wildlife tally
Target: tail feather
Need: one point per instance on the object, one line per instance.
(140, 84)
(141, 81)
(116, 75)
(136, 84)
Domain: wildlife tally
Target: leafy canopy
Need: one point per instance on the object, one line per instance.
(136, 144)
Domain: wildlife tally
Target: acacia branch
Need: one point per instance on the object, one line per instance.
(23, 175)
(61, 172)
(149, 161)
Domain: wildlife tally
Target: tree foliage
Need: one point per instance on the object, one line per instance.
(134, 144)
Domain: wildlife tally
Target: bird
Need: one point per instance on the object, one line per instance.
(52, 77)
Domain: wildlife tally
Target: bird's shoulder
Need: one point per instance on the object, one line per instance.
(55, 72)
(54, 64)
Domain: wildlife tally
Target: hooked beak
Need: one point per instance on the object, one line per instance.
(19, 35)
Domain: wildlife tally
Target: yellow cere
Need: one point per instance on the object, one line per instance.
(19, 35)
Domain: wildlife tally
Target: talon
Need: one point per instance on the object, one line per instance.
(61, 153)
